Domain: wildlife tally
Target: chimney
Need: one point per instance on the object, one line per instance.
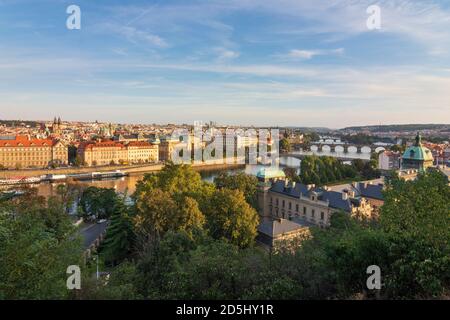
(344, 196)
(310, 186)
(293, 184)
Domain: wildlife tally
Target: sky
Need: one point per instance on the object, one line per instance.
(238, 62)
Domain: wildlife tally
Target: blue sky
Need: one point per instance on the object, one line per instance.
(285, 62)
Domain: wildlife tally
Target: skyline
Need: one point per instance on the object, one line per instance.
(286, 63)
(143, 123)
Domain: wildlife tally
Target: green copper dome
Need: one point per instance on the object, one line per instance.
(417, 151)
(270, 173)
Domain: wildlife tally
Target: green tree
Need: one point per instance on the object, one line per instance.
(35, 251)
(239, 181)
(158, 212)
(120, 235)
(230, 217)
(98, 203)
(285, 145)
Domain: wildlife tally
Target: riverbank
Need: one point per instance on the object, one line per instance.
(5, 174)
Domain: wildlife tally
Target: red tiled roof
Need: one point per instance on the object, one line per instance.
(102, 144)
(24, 141)
(139, 144)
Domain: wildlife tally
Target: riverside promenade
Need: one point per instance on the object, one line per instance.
(5, 174)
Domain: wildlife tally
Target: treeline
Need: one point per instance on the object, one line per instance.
(364, 139)
(400, 127)
(183, 238)
(410, 243)
(326, 170)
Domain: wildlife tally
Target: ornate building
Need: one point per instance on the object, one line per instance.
(25, 152)
(304, 205)
(417, 156)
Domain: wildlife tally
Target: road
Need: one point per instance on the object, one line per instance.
(92, 232)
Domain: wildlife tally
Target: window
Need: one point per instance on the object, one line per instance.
(304, 211)
(312, 213)
(283, 203)
(296, 207)
(290, 205)
(322, 215)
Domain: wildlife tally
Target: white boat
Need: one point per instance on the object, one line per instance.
(100, 175)
(20, 180)
(54, 177)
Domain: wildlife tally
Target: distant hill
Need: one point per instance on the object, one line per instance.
(401, 127)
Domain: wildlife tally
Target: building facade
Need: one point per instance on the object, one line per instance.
(24, 152)
(112, 152)
(141, 151)
(306, 204)
(389, 160)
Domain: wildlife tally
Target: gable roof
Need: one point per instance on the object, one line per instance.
(24, 141)
(373, 191)
(278, 227)
(335, 199)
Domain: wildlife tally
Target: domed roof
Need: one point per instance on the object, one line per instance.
(270, 172)
(155, 141)
(418, 151)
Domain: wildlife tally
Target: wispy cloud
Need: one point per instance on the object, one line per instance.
(133, 35)
(299, 54)
(224, 54)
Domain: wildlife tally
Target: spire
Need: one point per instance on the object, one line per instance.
(418, 139)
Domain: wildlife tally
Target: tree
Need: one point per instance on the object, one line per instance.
(35, 250)
(291, 174)
(158, 212)
(120, 236)
(239, 181)
(230, 217)
(98, 203)
(285, 145)
(416, 216)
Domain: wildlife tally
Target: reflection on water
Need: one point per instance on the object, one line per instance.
(128, 183)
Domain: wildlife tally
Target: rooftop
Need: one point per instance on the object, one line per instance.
(278, 227)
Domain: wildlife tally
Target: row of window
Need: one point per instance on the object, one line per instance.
(297, 208)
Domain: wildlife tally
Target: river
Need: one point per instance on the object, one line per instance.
(128, 183)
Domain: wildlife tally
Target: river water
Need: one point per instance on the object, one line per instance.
(128, 183)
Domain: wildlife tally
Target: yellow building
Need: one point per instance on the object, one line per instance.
(166, 149)
(24, 152)
(140, 151)
(112, 152)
